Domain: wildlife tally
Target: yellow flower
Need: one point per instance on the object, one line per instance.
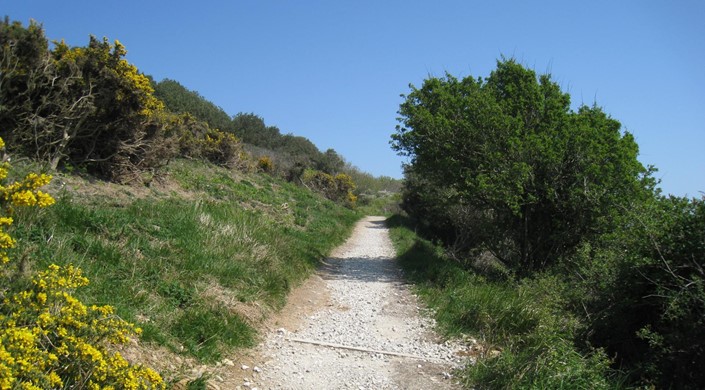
(34, 181)
(6, 241)
(45, 326)
(44, 200)
(55, 380)
(23, 198)
(41, 298)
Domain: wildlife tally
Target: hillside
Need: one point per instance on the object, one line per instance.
(183, 229)
(198, 259)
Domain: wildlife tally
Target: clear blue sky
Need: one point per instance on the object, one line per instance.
(332, 71)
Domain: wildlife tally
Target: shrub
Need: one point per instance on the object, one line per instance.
(338, 189)
(643, 291)
(221, 148)
(265, 164)
(542, 176)
(526, 336)
(48, 338)
(344, 187)
(81, 106)
(320, 182)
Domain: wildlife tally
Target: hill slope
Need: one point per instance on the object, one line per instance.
(197, 260)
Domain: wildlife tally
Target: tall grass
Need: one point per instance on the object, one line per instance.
(196, 264)
(526, 338)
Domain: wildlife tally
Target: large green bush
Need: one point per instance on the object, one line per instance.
(509, 150)
(552, 207)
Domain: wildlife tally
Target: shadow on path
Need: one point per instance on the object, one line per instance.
(364, 269)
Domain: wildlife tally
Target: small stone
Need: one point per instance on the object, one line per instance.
(228, 362)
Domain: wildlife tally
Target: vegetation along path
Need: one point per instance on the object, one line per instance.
(355, 326)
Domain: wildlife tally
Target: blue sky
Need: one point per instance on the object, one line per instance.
(332, 71)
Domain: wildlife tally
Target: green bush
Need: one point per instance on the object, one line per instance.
(643, 289)
(526, 335)
(338, 188)
(265, 164)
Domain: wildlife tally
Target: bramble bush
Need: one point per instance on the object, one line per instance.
(48, 338)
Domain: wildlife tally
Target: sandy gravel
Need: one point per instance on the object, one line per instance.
(354, 326)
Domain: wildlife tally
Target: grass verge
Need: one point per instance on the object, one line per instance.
(526, 338)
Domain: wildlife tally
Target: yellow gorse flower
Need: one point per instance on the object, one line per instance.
(48, 338)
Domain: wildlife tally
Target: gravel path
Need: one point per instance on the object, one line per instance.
(370, 333)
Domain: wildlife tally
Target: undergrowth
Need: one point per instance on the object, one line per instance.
(526, 339)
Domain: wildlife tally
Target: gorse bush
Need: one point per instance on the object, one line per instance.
(48, 338)
(338, 188)
(52, 340)
(265, 164)
(78, 106)
(221, 148)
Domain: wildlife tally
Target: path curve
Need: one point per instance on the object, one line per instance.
(368, 333)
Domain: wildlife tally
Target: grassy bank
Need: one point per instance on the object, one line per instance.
(526, 338)
(197, 259)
